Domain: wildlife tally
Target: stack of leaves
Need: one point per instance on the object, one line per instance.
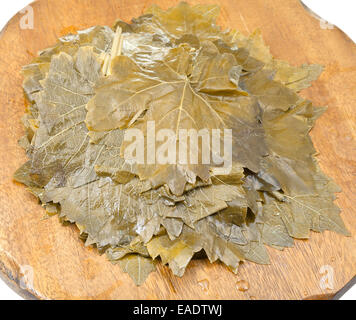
(178, 69)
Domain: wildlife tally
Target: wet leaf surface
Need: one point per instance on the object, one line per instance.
(178, 69)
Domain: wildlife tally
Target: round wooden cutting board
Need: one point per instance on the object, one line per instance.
(46, 260)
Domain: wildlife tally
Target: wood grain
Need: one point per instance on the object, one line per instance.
(48, 261)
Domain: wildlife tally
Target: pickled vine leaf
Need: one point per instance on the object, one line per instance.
(178, 70)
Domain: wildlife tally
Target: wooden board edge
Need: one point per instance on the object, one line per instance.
(314, 15)
(12, 279)
(335, 295)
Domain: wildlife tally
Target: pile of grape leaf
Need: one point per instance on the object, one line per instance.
(181, 70)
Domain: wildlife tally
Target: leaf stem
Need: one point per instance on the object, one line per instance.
(115, 51)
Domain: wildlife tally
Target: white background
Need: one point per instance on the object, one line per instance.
(338, 12)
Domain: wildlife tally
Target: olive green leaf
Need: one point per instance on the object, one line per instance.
(138, 267)
(178, 70)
